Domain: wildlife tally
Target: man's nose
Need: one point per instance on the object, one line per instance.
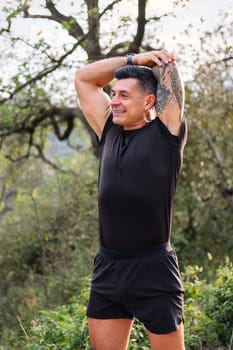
(115, 100)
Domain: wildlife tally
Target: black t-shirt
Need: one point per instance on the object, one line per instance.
(137, 182)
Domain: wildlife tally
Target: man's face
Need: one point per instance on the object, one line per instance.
(129, 104)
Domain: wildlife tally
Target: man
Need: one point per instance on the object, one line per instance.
(136, 271)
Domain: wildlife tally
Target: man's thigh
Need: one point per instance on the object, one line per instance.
(109, 334)
(169, 341)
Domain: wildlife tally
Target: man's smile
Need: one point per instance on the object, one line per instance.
(118, 111)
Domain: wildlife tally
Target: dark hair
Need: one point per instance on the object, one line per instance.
(144, 75)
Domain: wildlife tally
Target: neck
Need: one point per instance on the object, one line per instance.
(135, 126)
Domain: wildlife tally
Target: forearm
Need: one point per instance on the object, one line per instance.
(100, 73)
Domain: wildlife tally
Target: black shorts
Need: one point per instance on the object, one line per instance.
(147, 286)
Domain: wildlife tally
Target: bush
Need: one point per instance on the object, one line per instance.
(219, 306)
(62, 329)
(138, 339)
(200, 330)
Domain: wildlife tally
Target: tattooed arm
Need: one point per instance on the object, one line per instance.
(170, 95)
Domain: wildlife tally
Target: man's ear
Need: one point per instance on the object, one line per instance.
(150, 101)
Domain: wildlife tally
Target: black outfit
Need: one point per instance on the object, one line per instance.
(136, 271)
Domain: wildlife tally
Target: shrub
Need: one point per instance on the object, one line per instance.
(62, 329)
(219, 306)
(200, 330)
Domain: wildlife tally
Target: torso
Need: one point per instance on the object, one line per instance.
(137, 182)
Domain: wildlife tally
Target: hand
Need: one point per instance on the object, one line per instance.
(152, 58)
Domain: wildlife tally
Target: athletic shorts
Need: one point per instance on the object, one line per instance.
(146, 286)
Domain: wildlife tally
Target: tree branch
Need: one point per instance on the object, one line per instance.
(68, 117)
(42, 156)
(141, 23)
(133, 46)
(58, 62)
(8, 27)
(8, 197)
(73, 27)
(43, 73)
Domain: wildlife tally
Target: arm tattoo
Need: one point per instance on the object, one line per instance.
(170, 87)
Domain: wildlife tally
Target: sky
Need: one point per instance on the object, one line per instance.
(193, 12)
(202, 14)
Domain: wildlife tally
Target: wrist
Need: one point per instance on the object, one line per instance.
(129, 59)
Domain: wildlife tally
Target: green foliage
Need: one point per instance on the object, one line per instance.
(200, 332)
(63, 329)
(209, 309)
(220, 306)
(49, 239)
(138, 339)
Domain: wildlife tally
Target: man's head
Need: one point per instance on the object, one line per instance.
(146, 80)
(133, 96)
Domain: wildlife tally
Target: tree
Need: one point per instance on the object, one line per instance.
(206, 191)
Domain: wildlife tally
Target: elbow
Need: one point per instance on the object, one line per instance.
(77, 75)
(77, 78)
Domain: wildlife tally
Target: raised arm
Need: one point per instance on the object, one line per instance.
(89, 83)
(170, 95)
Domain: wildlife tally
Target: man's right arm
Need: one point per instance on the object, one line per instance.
(89, 83)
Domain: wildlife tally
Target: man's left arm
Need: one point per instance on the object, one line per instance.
(170, 95)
